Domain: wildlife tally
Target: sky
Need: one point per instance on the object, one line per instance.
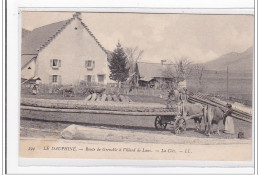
(200, 38)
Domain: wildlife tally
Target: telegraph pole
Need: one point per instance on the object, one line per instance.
(227, 84)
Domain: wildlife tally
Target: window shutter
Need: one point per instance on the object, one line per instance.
(59, 63)
(50, 79)
(93, 78)
(93, 62)
(51, 62)
(86, 62)
(59, 80)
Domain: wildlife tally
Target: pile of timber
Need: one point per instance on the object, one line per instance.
(206, 100)
(72, 105)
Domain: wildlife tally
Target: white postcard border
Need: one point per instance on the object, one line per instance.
(13, 73)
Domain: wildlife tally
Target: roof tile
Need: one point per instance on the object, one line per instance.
(151, 70)
(37, 37)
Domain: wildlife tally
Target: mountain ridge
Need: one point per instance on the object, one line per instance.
(236, 62)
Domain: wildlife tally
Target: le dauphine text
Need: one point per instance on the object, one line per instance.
(114, 149)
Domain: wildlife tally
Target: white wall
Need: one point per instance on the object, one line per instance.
(72, 47)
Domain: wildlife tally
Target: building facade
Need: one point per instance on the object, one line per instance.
(67, 56)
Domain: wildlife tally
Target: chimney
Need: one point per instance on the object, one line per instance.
(77, 14)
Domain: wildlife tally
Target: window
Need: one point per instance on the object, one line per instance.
(55, 78)
(89, 64)
(101, 78)
(88, 79)
(55, 63)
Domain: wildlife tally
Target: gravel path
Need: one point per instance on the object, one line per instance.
(102, 133)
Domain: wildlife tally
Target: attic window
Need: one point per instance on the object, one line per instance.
(29, 68)
(76, 28)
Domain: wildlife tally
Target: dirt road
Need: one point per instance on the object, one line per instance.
(121, 137)
(51, 121)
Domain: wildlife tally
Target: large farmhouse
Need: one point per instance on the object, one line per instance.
(64, 53)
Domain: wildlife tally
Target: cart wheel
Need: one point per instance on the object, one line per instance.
(158, 123)
(179, 125)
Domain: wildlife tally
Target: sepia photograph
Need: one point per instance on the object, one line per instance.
(136, 86)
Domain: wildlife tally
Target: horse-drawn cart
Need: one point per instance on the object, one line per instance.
(178, 122)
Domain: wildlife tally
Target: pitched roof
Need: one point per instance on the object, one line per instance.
(40, 37)
(25, 32)
(37, 37)
(150, 70)
(26, 59)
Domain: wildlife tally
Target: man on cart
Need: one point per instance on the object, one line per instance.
(171, 100)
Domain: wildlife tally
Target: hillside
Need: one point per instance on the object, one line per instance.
(237, 62)
(214, 77)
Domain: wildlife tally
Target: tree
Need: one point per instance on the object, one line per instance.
(133, 54)
(118, 65)
(178, 70)
(183, 68)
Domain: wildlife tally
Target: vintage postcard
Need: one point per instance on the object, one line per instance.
(137, 86)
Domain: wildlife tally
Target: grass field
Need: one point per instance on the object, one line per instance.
(240, 85)
(52, 96)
